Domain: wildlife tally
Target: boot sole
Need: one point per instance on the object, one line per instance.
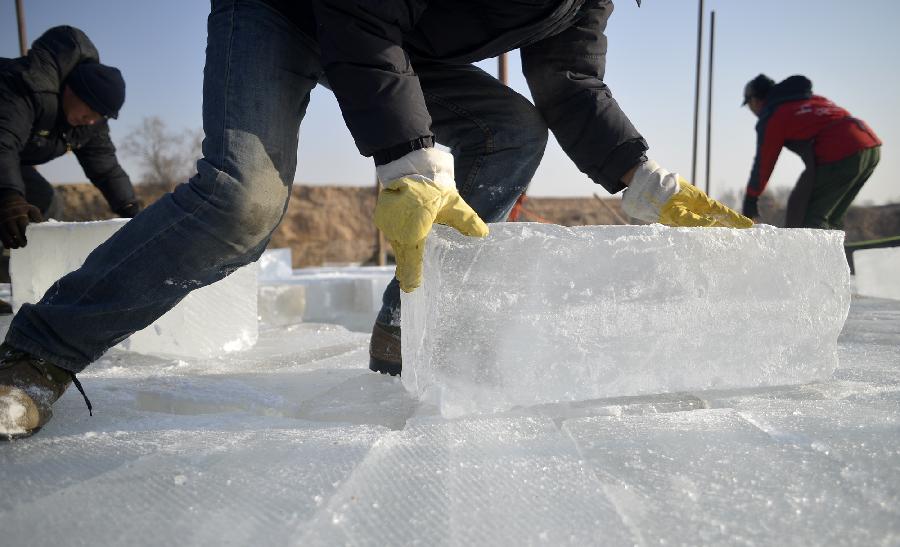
(385, 367)
(15, 436)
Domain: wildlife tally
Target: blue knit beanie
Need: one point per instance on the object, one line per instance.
(100, 86)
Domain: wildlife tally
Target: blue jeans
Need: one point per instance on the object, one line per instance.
(259, 73)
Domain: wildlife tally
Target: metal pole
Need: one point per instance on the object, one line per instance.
(20, 18)
(502, 72)
(709, 96)
(697, 93)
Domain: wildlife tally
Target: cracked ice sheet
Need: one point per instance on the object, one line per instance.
(860, 433)
(480, 481)
(711, 477)
(191, 486)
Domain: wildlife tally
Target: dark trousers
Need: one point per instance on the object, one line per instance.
(836, 186)
(39, 192)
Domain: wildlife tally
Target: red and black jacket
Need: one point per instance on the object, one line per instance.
(794, 118)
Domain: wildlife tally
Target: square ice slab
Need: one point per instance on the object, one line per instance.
(538, 313)
(210, 321)
(348, 296)
(878, 272)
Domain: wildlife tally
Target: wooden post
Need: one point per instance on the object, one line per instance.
(20, 18)
(502, 70)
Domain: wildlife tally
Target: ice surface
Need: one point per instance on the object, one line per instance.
(710, 477)
(540, 313)
(346, 296)
(296, 442)
(470, 477)
(878, 272)
(210, 321)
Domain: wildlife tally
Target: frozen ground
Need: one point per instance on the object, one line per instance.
(297, 443)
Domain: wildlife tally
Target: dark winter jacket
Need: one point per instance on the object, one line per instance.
(33, 129)
(809, 125)
(370, 49)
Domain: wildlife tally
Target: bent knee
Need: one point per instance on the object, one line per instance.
(244, 208)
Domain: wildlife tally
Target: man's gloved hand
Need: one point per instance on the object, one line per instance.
(418, 192)
(751, 207)
(656, 195)
(15, 215)
(129, 210)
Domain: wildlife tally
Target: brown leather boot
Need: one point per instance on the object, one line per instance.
(28, 387)
(384, 349)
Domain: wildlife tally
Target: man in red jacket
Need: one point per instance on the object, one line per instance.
(840, 152)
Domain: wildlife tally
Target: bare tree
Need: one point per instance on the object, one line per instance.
(166, 157)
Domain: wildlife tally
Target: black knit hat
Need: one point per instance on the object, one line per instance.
(758, 87)
(100, 86)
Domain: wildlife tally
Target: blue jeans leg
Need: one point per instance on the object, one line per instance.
(496, 136)
(258, 76)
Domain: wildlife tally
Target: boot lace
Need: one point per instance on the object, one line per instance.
(81, 390)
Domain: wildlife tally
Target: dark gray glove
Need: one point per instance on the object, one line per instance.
(15, 215)
(129, 210)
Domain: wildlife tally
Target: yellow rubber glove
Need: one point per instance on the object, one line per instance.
(407, 208)
(690, 206)
(656, 195)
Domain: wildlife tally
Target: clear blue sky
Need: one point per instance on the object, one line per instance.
(849, 50)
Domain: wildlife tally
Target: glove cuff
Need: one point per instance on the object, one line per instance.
(428, 163)
(650, 189)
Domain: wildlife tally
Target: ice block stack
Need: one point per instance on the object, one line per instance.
(541, 313)
(210, 321)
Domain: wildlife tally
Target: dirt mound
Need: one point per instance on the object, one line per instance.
(333, 224)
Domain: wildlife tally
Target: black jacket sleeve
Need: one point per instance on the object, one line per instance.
(369, 71)
(16, 119)
(98, 159)
(565, 75)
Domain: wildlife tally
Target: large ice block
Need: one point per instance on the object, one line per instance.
(210, 321)
(538, 313)
(878, 272)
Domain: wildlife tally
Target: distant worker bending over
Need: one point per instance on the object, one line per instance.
(839, 152)
(54, 100)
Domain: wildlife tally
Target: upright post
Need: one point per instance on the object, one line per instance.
(697, 93)
(709, 97)
(20, 18)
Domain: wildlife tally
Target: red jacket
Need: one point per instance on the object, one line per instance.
(834, 133)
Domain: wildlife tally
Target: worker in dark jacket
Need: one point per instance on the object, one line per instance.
(403, 77)
(54, 100)
(839, 152)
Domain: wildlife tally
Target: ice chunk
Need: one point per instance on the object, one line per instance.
(210, 321)
(275, 264)
(542, 313)
(345, 296)
(878, 272)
